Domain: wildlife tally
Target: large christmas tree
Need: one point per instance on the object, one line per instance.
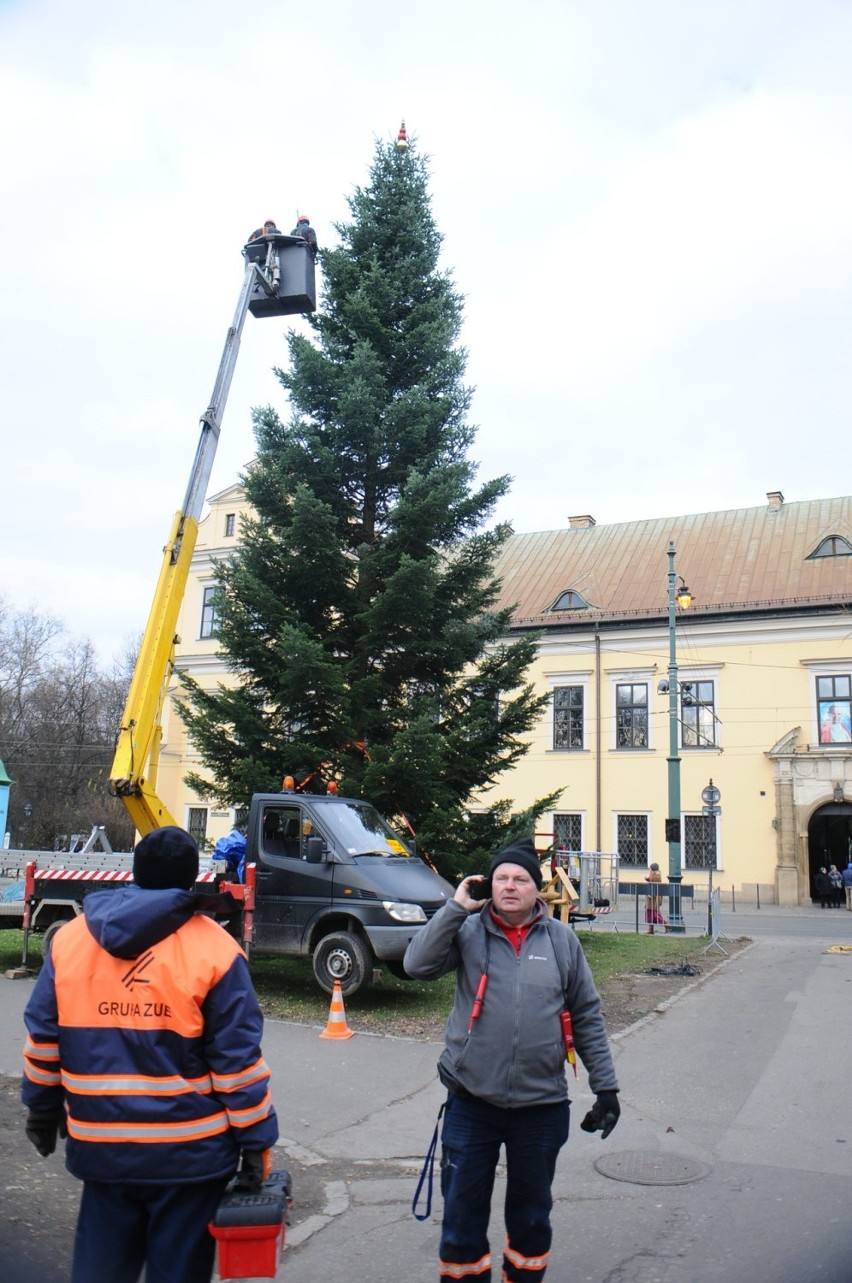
(358, 614)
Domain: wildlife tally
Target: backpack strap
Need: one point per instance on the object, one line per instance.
(561, 959)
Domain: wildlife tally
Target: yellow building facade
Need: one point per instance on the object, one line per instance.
(763, 688)
(197, 653)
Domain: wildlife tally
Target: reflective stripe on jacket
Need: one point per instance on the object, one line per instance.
(158, 1056)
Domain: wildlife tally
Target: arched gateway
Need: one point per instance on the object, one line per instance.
(813, 813)
(829, 838)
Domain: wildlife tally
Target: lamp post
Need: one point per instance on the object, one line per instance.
(677, 597)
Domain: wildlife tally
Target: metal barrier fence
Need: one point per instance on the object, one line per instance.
(675, 896)
(595, 876)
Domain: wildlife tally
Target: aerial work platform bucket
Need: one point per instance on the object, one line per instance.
(289, 270)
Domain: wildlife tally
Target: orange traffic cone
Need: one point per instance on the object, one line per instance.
(337, 1026)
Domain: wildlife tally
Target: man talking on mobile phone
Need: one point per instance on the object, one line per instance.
(523, 992)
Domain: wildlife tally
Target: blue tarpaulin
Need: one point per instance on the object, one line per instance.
(232, 849)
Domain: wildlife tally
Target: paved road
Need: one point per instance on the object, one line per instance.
(740, 1089)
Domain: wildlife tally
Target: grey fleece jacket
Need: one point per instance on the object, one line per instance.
(515, 1054)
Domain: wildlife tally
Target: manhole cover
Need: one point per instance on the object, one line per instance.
(651, 1168)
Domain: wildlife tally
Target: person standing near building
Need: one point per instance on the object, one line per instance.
(835, 877)
(822, 887)
(846, 877)
(519, 973)
(143, 1049)
(653, 913)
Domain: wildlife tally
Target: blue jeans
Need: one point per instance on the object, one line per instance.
(470, 1149)
(122, 1228)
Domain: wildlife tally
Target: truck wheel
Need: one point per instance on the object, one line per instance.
(342, 956)
(47, 938)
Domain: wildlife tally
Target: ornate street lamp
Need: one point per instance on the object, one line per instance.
(679, 595)
(711, 797)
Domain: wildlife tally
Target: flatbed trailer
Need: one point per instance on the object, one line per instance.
(57, 883)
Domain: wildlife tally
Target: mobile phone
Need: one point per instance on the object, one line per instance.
(479, 888)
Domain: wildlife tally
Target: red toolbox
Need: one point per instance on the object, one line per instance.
(249, 1230)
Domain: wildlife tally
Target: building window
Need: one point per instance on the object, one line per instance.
(698, 714)
(568, 717)
(230, 524)
(241, 814)
(209, 614)
(631, 715)
(834, 709)
(699, 842)
(832, 546)
(197, 823)
(568, 832)
(632, 841)
(570, 600)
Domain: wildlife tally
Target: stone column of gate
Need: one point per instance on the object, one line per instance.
(786, 871)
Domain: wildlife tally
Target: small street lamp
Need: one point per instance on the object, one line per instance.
(710, 797)
(679, 595)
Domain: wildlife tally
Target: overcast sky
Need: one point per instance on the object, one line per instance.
(646, 204)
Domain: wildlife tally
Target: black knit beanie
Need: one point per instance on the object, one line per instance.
(166, 857)
(521, 852)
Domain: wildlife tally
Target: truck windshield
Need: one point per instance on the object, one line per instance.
(362, 831)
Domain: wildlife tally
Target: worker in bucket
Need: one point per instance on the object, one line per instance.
(143, 1049)
(524, 999)
(303, 228)
(268, 229)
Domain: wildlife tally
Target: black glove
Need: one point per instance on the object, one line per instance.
(603, 1115)
(254, 1169)
(42, 1130)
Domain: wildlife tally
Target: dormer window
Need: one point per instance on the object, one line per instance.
(831, 546)
(570, 600)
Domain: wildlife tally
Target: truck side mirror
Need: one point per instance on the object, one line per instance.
(314, 847)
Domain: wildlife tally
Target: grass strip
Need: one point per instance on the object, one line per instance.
(287, 989)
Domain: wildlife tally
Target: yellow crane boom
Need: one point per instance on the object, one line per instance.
(279, 280)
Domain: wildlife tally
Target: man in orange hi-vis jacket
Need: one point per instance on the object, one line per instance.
(143, 1049)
